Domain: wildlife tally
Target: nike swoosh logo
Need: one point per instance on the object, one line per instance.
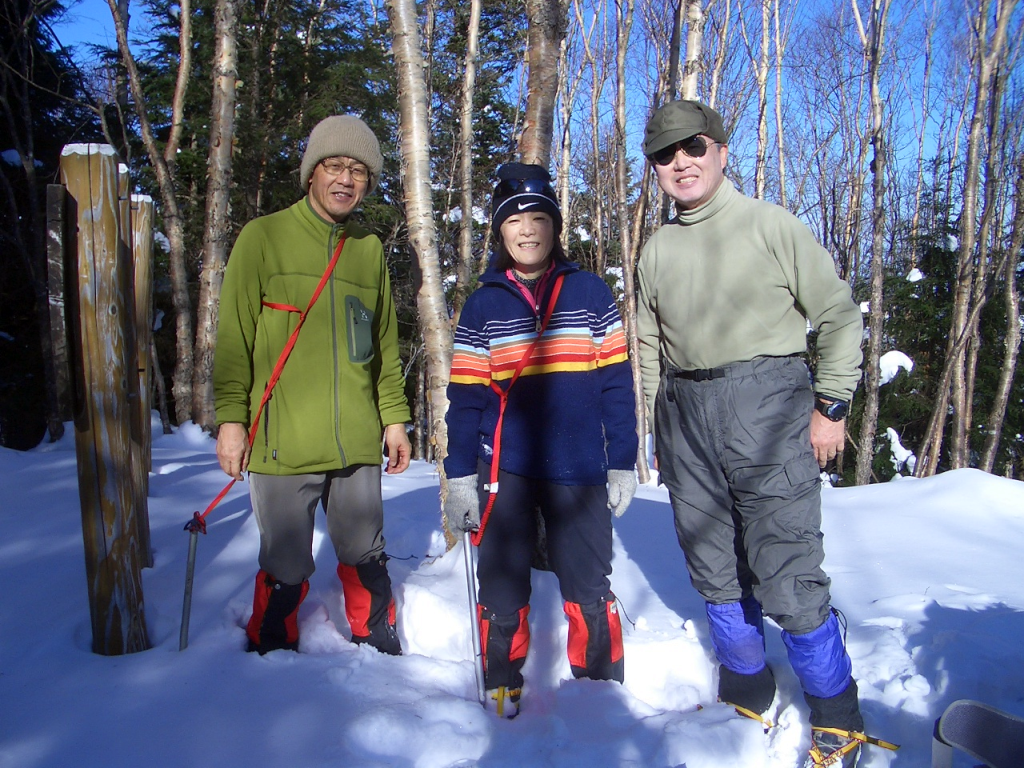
(524, 206)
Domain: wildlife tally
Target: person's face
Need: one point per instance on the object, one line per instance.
(691, 181)
(529, 238)
(337, 186)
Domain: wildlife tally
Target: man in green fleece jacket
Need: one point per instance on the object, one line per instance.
(727, 291)
(319, 436)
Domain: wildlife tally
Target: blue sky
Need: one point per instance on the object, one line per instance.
(86, 22)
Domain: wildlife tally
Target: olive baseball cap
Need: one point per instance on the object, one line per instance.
(678, 120)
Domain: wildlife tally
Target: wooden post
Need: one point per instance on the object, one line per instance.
(104, 368)
(56, 237)
(142, 258)
(126, 276)
(142, 250)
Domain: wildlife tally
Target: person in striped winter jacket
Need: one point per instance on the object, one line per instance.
(540, 350)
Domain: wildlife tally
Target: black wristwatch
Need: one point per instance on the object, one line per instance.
(831, 409)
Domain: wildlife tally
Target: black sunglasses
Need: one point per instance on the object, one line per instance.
(692, 147)
(509, 187)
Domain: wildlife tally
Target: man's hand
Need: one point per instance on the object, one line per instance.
(233, 449)
(399, 450)
(827, 437)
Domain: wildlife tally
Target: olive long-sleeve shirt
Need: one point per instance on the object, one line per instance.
(739, 278)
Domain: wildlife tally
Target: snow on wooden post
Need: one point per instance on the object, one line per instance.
(105, 376)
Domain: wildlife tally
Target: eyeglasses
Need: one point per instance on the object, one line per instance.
(336, 168)
(509, 187)
(692, 147)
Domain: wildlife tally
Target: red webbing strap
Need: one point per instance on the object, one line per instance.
(492, 486)
(198, 522)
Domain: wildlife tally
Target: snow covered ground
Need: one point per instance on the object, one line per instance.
(927, 572)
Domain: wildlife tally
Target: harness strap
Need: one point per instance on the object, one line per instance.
(198, 522)
(492, 486)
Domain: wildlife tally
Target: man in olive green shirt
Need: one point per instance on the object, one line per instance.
(727, 291)
(319, 438)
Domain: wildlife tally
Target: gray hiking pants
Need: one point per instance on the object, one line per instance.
(285, 506)
(734, 450)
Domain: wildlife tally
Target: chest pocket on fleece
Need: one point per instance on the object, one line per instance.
(360, 330)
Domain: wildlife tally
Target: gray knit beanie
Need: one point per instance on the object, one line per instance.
(342, 136)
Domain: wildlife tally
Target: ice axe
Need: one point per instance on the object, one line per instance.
(195, 526)
(474, 626)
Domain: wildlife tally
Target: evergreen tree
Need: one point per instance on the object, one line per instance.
(918, 309)
(43, 104)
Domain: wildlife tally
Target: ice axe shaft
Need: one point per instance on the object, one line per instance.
(194, 526)
(474, 625)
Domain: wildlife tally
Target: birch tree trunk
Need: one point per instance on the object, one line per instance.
(547, 28)
(180, 83)
(163, 168)
(1011, 348)
(779, 133)
(415, 147)
(922, 129)
(873, 41)
(674, 45)
(217, 235)
(695, 18)
(952, 390)
(623, 26)
(464, 269)
(720, 56)
(597, 78)
(568, 87)
(979, 296)
(761, 78)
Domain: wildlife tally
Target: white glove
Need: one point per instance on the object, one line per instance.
(462, 506)
(621, 487)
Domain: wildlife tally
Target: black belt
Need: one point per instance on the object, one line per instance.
(726, 371)
(702, 374)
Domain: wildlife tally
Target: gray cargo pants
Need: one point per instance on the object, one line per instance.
(734, 450)
(285, 506)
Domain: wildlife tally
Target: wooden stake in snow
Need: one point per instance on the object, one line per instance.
(106, 378)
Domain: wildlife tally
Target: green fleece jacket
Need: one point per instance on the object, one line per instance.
(738, 278)
(343, 380)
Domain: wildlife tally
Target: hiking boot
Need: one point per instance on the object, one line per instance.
(383, 637)
(505, 701)
(832, 748)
